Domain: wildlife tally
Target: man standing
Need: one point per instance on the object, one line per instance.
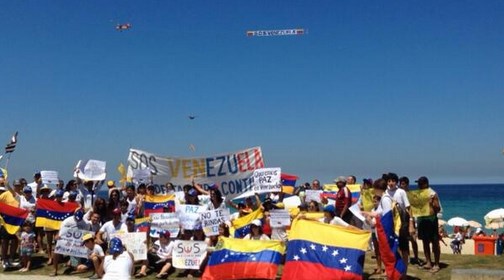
(428, 227)
(36, 184)
(400, 197)
(404, 184)
(343, 200)
(12, 197)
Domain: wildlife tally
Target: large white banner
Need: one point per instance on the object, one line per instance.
(188, 254)
(231, 172)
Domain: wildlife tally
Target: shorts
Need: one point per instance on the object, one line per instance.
(89, 264)
(4, 235)
(26, 252)
(428, 228)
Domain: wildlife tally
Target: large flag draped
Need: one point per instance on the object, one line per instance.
(12, 218)
(156, 203)
(322, 251)
(11, 146)
(244, 259)
(51, 213)
(389, 246)
(242, 225)
(419, 200)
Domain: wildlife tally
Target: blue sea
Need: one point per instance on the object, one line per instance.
(470, 202)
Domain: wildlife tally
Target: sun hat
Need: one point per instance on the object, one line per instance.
(116, 246)
(340, 179)
(87, 236)
(110, 183)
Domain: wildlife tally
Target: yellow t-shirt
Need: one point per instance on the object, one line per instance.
(9, 199)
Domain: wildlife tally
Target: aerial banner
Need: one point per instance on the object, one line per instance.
(232, 172)
(283, 32)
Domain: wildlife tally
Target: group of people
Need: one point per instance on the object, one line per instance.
(107, 257)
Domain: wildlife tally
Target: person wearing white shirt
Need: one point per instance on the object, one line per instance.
(117, 265)
(110, 227)
(95, 256)
(160, 255)
(28, 202)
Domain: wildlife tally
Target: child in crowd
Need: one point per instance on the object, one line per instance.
(27, 246)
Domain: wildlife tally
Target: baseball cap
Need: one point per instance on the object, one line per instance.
(115, 246)
(340, 179)
(59, 193)
(79, 214)
(27, 189)
(73, 194)
(116, 211)
(330, 208)
(256, 223)
(192, 192)
(422, 180)
(165, 234)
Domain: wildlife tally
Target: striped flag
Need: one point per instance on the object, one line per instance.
(12, 218)
(10, 147)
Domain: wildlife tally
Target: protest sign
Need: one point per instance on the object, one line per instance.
(279, 218)
(231, 172)
(188, 254)
(70, 243)
(49, 177)
(210, 220)
(135, 243)
(164, 221)
(189, 215)
(91, 170)
(266, 180)
(292, 201)
(312, 195)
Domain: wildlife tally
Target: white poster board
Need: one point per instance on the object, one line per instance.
(135, 243)
(210, 220)
(91, 170)
(189, 215)
(313, 195)
(70, 243)
(279, 218)
(188, 254)
(49, 177)
(266, 180)
(164, 221)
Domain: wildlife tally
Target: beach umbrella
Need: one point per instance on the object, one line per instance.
(495, 215)
(495, 225)
(441, 222)
(474, 224)
(457, 221)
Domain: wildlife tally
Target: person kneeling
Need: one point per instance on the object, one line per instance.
(95, 256)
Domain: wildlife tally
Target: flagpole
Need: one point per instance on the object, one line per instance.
(7, 161)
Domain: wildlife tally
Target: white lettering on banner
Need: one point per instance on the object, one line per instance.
(189, 215)
(279, 218)
(135, 243)
(210, 220)
(188, 254)
(231, 172)
(70, 243)
(164, 221)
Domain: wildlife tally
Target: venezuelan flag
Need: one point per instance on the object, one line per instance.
(242, 225)
(244, 259)
(389, 246)
(156, 203)
(51, 213)
(288, 182)
(12, 218)
(419, 200)
(142, 224)
(322, 251)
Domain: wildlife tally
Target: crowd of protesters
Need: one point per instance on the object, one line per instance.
(107, 258)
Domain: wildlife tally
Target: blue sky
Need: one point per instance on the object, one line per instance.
(413, 87)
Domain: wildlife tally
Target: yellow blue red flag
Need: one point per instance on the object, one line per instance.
(156, 203)
(12, 218)
(242, 225)
(51, 213)
(322, 251)
(244, 259)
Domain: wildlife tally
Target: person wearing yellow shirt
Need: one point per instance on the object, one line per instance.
(11, 198)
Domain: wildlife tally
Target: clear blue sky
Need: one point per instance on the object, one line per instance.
(414, 87)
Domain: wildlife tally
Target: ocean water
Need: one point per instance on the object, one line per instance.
(471, 202)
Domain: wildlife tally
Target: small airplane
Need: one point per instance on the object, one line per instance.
(124, 26)
(191, 117)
